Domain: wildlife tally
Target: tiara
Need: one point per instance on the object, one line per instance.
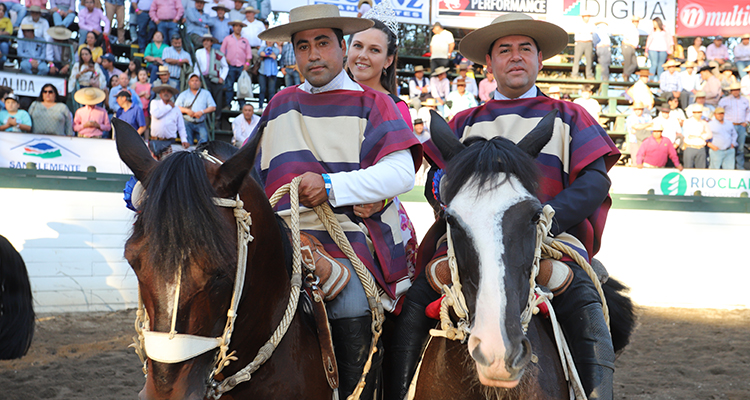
(384, 13)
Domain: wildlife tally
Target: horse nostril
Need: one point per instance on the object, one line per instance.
(479, 357)
(521, 356)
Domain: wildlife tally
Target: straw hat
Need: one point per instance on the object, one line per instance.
(735, 86)
(315, 16)
(439, 70)
(671, 63)
(419, 68)
(695, 108)
(90, 96)
(418, 121)
(59, 33)
(642, 72)
(237, 22)
(460, 82)
(163, 70)
(220, 7)
(554, 89)
(551, 38)
(165, 86)
(638, 105)
(747, 68)
(690, 64)
(250, 9)
(700, 93)
(27, 27)
(35, 9)
(656, 126)
(209, 37)
(719, 110)
(430, 102)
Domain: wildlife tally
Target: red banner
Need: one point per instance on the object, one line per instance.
(712, 17)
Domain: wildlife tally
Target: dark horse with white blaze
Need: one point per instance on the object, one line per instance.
(489, 195)
(182, 239)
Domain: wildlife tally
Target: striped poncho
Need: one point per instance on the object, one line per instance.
(577, 142)
(339, 131)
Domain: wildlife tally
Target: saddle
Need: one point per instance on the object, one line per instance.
(331, 274)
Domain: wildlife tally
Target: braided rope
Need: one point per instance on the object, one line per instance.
(454, 297)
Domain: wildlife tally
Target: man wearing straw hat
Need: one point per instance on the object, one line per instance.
(198, 23)
(239, 56)
(419, 87)
(574, 178)
(237, 14)
(737, 109)
(374, 158)
(584, 45)
(669, 80)
(166, 121)
(91, 120)
(251, 31)
(221, 28)
(211, 64)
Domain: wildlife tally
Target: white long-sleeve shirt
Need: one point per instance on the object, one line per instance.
(166, 121)
(201, 64)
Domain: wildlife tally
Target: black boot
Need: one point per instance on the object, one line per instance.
(591, 346)
(352, 338)
(410, 334)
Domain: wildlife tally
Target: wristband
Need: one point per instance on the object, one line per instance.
(327, 180)
(385, 203)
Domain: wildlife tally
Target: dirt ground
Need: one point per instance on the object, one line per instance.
(675, 354)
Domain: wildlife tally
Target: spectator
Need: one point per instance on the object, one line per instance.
(96, 51)
(742, 54)
(440, 86)
(212, 4)
(63, 12)
(243, 125)
(166, 79)
(238, 12)
(195, 103)
(116, 9)
(86, 73)
(114, 81)
(91, 120)
(603, 44)
(690, 81)
(696, 132)
(566, 97)
(130, 113)
(419, 87)
(584, 39)
(143, 89)
(197, 23)
(700, 98)
(239, 57)
(212, 65)
(288, 64)
(655, 150)
(717, 51)
(441, 47)
(636, 124)
(669, 81)
(6, 31)
(264, 9)
(554, 92)
(424, 112)
(727, 77)
(711, 85)
(166, 14)
(133, 68)
(630, 42)
(640, 92)
(745, 83)
(738, 113)
(692, 51)
(166, 120)
(471, 83)
(670, 122)
(12, 119)
(658, 46)
(721, 148)
(108, 66)
(153, 54)
(420, 132)
(252, 29)
(32, 54)
(176, 58)
(678, 52)
(20, 10)
(90, 19)
(268, 70)
(50, 116)
(459, 100)
(123, 82)
(35, 18)
(221, 28)
(674, 109)
(59, 54)
(700, 60)
(589, 104)
(146, 26)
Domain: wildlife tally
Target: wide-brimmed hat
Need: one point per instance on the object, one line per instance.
(695, 108)
(719, 110)
(250, 9)
(430, 102)
(638, 105)
(550, 38)
(237, 22)
(164, 86)
(690, 64)
(735, 86)
(27, 27)
(419, 68)
(439, 70)
(671, 63)
(90, 96)
(209, 37)
(221, 7)
(163, 70)
(35, 9)
(747, 68)
(460, 82)
(418, 121)
(315, 16)
(59, 33)
(656, 126)
(706, 68)
(700, 93)
(643, 72)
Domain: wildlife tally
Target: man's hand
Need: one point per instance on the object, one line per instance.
(185, 145)
(712, 146)
(64, 70)
(197, 114)
(52, 69)
(640, 166)
(34, 63)
(312, 190)
(680, 167)
(367, 210)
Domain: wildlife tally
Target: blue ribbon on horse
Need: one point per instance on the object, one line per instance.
(436, 186)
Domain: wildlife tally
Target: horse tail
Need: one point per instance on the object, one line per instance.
(622, 316)
(16, 308)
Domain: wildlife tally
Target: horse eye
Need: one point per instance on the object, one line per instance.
(536, 217)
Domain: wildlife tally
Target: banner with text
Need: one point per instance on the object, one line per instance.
(711, 18)
(59, 153)
(566, 13)
(670, 182)
(30, 85)
(407, 11)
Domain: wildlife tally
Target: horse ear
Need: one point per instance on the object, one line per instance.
(443, 137)
(534, 141)
(235, 169)
(133, 151)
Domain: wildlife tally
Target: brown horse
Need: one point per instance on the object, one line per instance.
(181, 240)
(16, 304)
(489, 196)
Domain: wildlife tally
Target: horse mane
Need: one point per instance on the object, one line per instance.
(179, 221)
(16, 308)
(482, 160)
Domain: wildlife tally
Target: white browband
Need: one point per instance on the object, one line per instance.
(171, 349)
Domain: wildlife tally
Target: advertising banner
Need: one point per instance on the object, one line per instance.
(711, 18)
(566, 13)
(670, 182)
(30, 85)
(407, 11)
(59, 153)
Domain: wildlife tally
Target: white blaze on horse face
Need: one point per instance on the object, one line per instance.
(482, 215)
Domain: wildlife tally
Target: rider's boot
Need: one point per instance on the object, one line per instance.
(588, 336)
(352, 338)
(410, 333)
